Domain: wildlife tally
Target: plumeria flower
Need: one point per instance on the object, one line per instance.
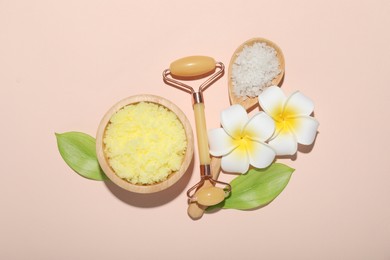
(292, 119)
(241, 141)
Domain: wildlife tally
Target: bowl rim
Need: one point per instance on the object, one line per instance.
(172, 178)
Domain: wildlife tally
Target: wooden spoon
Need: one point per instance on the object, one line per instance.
(249, 102)
(195, 211)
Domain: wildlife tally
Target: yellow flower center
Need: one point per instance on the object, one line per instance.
(284, 120)
(244, 143)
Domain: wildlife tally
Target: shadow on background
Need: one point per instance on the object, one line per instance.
(308, 148)
(301, 148)
(152, 199)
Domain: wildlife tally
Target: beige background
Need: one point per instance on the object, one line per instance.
(64, 63)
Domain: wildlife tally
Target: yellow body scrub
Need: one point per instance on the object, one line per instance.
(145, 143)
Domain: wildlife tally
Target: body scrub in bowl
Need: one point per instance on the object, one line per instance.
(144, 144)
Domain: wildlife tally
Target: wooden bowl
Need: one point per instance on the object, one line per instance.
(173, 177)
(250, 102)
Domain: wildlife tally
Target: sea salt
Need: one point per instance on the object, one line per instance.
(254, 69)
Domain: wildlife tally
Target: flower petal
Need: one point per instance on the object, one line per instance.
(233, 120)
(299, 104)
(260, 127)
(304, 128)
(261, 155)
(235, 161)
(272, 100)
(220, 142)
(284, 143)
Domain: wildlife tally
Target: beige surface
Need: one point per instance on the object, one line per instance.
(63, 64)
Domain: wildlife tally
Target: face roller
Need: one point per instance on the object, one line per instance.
(191, 68)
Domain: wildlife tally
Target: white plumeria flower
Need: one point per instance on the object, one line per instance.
(241, 140)
(292, 119)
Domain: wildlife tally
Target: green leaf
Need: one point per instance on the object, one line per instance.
(258, 187)
(79, 151)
